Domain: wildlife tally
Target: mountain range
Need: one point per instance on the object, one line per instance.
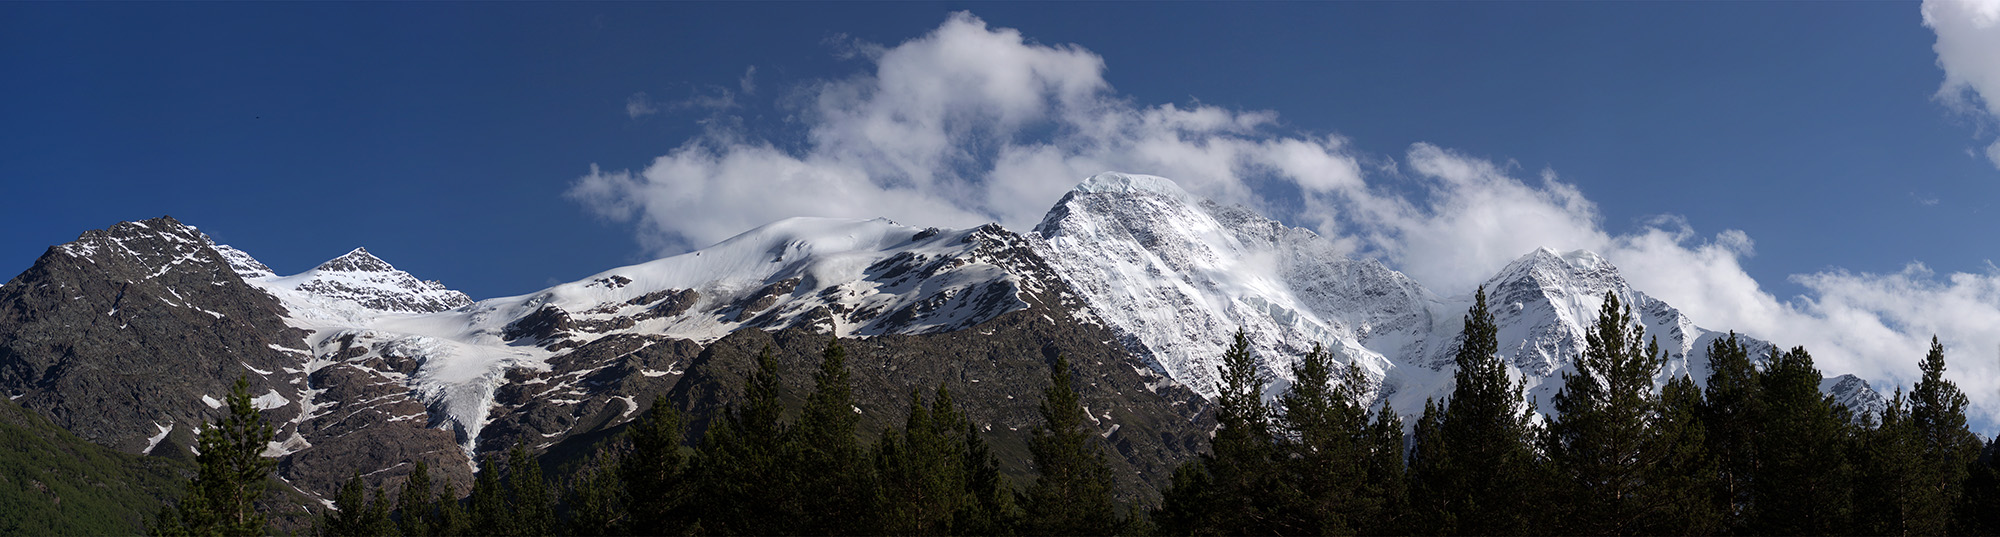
(129, 336)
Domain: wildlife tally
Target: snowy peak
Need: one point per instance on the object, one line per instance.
(358, 260)
(1180, 275)
(847, 276)
(366, 281)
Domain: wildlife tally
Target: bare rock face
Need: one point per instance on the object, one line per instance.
(128, 332)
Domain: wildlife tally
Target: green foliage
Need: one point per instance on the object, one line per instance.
(1072, 496)
(1607, 440)
(742, 469)
(655, 475)
(596, 501)
(1730, 412)
(528, 497)
(1327, 448)
(354, 516)
(414, 505)
(230, 476)
(489, 514)
(836, 492)
(1804, 478)
(928, 475)
(1473, 470)
(53, 483)
(451, 519)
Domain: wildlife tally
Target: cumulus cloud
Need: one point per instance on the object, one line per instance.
(1968, 49)
(971, 124)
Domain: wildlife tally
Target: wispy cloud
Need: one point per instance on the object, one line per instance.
(640, 105)
(749, 81)
(971, 124)
(1968, 49)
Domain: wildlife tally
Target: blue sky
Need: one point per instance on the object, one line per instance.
(1801, 154)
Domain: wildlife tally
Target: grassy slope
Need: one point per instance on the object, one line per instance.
(53, 483)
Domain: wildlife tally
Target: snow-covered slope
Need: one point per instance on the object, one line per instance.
(1178, 275)
(850, 277)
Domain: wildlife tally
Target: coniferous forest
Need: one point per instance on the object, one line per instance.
(1756, 449)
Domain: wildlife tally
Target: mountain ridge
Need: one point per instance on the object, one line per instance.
(364, 365)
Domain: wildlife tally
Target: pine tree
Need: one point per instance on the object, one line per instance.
(835, 490)
(232, 472)
(1326, 446)
(451, 519)
(1473, 470)
(1804, 479)
(350, 510)
(1243, 455)
(1683, 482)
(992, 510)
(1731, 416)
(1603, 438)
(1072, 496)
(922, 470)
(528, 495)
(414, 503)
(489, 514)
(656, 475)
(596, 504)
(1979, 508)
(746, 485)
(1387, 491)
(1887, 473)
(1945, 447)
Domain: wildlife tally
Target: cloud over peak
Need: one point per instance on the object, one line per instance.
(970, 124)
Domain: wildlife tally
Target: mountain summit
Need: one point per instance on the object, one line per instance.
(129, 335)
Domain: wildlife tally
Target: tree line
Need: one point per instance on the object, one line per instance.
(754, 473)
(1756, 450)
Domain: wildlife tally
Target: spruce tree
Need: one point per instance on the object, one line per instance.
(1474, 470)
(1072, 494)
(1947, 448)
(1887, 473)
(1243, 455)
(489, 514)
(414, 504)
(745, 482)
(1387, 491)
(921, 470)
(835, 488)
(596, 504)
(1604, 438)
(992, 510)
(350, 510)
(1979, 507)
(1804, 479)
(221, 500)
(655, 473)
(1731, 416)
(451, 519)
(528, 495)
(1326, 449)
(1683, 481)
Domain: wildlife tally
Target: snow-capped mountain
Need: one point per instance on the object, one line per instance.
(360, 278)
(130, 335)
(841, 276)
(1178, 275)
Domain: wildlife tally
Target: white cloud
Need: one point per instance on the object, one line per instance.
(1968, 49)
(640, 105)
(749, 81)
(970, 124)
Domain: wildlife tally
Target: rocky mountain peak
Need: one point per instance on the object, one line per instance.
(370, 282)
(358, 260)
